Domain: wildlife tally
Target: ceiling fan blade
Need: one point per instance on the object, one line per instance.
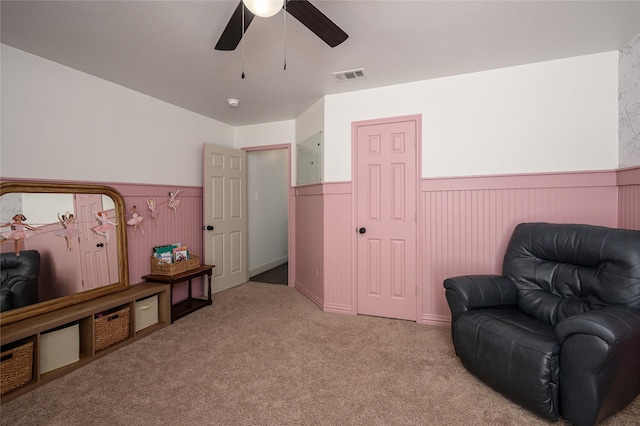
(232, 33)
(316, 21)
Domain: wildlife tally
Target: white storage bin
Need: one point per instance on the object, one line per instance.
(59, 348)
(146, 312)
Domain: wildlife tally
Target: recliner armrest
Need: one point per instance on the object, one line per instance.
(613, 324)
(600, 363)
(479, 291)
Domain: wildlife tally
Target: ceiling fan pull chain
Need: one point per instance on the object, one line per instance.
(243, 40)
(285, 34)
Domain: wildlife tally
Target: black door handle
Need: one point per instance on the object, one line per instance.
(100, 245)
(362, 230)
(208, 228)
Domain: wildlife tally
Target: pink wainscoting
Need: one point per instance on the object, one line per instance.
(309, 234)
(466, 223)
(629, 198)
(340, 291)
(185, 226)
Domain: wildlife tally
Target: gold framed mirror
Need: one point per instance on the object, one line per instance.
(77, 235)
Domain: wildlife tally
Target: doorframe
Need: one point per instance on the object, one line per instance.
(290, 207)
(355, 125)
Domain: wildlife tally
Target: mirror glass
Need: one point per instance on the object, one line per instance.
(309, 160)
(60, 244)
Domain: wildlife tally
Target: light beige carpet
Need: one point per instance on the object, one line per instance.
(264, 354)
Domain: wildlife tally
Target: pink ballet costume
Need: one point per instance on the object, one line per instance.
(105, 226)
(69, 232)
(135, 220)
(151, 203)
(18, 232)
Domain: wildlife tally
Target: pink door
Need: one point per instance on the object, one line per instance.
(99, 258)
(386, 211)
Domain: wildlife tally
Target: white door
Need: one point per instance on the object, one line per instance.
(225, 215)
(386, 211)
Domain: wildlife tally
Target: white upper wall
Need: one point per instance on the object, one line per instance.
(545, 117)
(310, 122)
(59, 123)
(276, 133)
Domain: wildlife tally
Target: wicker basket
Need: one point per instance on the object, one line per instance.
(16, 367)
(111, 328)
(159, 267)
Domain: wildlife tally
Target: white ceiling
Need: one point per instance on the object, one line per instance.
(165, 49)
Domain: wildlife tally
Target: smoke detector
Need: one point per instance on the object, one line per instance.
(349, 75)
(233, 102)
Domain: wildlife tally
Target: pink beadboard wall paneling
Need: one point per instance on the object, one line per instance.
(292, 237)
(339, 290)
(185, 226)
(467, 222)
(629, 198)
(309, 262)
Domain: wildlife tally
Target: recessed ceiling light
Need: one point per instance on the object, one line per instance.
(233, 102)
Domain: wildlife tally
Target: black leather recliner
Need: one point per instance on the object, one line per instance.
(559, 331)
(19, 279)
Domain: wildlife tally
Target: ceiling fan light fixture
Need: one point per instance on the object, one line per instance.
(264, 8)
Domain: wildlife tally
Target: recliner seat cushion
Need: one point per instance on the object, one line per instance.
(514, 353)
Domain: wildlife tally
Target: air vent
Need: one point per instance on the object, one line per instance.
(349, 75)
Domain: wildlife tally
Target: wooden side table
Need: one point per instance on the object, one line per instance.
(191, 303)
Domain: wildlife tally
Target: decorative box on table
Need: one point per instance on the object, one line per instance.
(159, 267)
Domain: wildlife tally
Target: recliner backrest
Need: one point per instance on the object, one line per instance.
(28, 263)
(565, 269)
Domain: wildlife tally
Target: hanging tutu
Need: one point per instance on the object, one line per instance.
(135, 220)
(68, 233)
(18, 233)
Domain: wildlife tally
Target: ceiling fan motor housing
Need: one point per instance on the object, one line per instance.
(302, 10)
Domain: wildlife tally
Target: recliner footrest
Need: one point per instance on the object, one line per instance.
(514, 353)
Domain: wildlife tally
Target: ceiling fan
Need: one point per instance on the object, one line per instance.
(302, 10)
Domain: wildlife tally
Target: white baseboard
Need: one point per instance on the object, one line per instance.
(266, 267)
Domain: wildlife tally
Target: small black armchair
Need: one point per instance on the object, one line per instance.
(19, 279)
(559, 331)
